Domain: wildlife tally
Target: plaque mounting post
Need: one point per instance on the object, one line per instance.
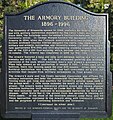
(50, 116)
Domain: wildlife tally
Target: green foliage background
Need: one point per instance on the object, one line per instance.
(98, 6)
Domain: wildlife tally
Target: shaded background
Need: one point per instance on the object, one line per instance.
(97, 6)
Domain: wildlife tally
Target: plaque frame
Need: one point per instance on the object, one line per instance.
(54, 114)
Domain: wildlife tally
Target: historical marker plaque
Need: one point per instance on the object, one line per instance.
(56, 60)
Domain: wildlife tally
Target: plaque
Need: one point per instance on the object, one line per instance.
(56, 63)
